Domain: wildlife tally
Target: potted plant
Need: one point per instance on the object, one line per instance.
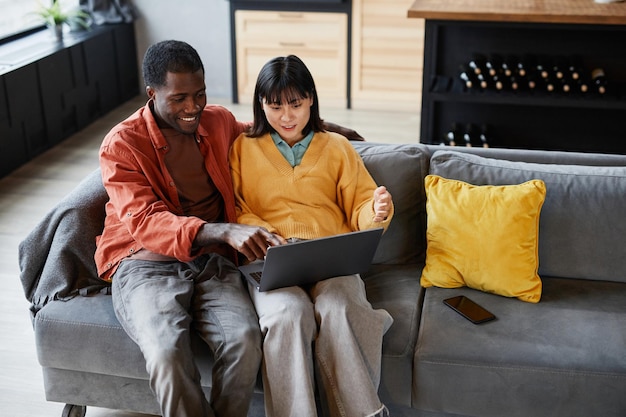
(55, 17)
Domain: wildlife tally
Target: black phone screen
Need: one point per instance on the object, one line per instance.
(469, 309)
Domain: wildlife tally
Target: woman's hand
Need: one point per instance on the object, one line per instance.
(382, 204)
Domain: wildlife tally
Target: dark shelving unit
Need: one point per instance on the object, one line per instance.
(529, 120)
(50, 90)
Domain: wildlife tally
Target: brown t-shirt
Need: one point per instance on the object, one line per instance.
(197, 193)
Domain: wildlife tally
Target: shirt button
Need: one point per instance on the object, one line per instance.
(128, 214)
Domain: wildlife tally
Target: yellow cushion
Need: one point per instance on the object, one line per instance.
(483, 237)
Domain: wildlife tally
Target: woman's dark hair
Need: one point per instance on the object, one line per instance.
(169, 56)
(284, 78)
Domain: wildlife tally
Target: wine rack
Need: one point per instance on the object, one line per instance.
(551, 118)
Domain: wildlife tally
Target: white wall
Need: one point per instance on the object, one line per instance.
(204, 24)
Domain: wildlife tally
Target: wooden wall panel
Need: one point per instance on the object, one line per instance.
(387, 55)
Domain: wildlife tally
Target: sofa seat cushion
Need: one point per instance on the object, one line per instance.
(582, 227)
(396, 288)
(572, 343)
(83, 334)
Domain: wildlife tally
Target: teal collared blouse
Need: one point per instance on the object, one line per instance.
(294, 154)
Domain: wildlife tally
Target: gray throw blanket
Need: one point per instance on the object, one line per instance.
(57, 257)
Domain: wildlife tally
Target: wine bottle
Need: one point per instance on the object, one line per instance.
(543, 69)
(583, 84)
(509, 65)
(477, 64)
(521, 69)
(451, 136)
(527, 65)
(467, 81)
(484, 137)
(599, 80)
(515, 83)
(564, 86)
(501, 83)
(494, 65)
(549, 84)
(468, 77)
(484, 81)
(574, 68)
(559, 68)
(533, 81)
(467, 135)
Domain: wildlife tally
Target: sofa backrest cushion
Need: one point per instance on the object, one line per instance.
(401, 168)
(582, 227)
(539, 156)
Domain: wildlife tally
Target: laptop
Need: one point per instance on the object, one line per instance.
(309, 261)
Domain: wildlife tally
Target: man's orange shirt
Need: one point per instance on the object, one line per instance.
(144, 211)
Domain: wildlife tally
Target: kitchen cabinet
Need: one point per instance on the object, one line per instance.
(319, 39)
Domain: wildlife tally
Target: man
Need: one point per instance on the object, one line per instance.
(169, 243)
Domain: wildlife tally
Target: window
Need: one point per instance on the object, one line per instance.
(19, 16)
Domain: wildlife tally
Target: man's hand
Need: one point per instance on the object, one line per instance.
(382, 204)
(251, 241)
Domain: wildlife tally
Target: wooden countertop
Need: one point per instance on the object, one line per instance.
(531, 11)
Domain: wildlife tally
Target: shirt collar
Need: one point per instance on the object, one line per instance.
(305, 142)
(158, 139)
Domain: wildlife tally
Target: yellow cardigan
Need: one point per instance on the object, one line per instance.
(330, 192)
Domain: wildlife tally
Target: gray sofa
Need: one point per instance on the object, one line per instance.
(564, 356)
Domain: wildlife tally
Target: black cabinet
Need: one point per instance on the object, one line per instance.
(57, 85)
(26, 117)
(59, 88)
(535, 119)
(102, 75)
(126, 60)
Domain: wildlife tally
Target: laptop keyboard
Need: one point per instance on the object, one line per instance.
(256, 276)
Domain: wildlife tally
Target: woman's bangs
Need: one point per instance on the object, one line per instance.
(281, 93)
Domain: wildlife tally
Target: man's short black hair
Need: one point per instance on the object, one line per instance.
(169, 56)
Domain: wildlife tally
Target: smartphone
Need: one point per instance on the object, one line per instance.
(469, 309)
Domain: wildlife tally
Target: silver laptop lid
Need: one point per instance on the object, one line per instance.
(309, 261)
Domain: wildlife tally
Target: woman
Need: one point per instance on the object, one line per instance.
(301, 182)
